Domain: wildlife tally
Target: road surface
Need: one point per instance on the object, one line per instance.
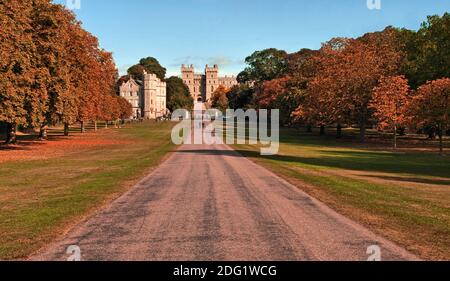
(210, 203)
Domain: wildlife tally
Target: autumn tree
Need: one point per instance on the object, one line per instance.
(390, 103)
(126, 110)
(281, 94)
(322, 102)
(219, 99)
(61, 45)
(16, 73)
(349, 70)
(270, 91)
(115, 110)
(90, 84)
(302, 68)
(430, 106)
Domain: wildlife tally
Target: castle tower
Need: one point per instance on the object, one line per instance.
(154, 96)
(211, 81)
(147, 95)
(188, 74)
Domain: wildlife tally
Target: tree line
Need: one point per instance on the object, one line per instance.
(395, 79)
(52, 71)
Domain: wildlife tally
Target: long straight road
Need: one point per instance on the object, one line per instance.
(210, 203)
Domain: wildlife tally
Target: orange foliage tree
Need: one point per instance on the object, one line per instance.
(348, 70)
(52, 70)
(390, 103)
(16, 72)
(431, 107)
(270, 92)
(219, 99)
(323, 100)
(126, 110)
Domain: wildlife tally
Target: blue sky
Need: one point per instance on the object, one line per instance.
(226, 31)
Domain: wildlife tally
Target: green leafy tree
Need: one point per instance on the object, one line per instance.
(428, 51)
(137, 72)
(241, 97)
(264, 65)
(178, 96)
(149, 64)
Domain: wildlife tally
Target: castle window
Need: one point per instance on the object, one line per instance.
(212, 88)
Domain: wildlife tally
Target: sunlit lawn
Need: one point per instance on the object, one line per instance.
(41, 198)
(404, 196)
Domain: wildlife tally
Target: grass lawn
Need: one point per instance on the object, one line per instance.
(404, 195)
(40, 199)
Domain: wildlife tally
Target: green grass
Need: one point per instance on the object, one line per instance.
(404, 196)
(38, 199)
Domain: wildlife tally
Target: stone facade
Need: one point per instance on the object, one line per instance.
(202, 86)
(148, 97)
(131, 91)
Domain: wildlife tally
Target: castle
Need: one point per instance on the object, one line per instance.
(148, 97)
(202, 86)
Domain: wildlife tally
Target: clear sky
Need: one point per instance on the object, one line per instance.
(224, 32)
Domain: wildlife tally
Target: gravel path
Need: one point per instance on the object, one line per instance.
(210, 203)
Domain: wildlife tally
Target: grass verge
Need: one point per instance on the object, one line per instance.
(403, 196)
(40, 199)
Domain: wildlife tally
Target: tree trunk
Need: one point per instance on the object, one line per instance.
(339, 131)
(66, 129)
(395, 137)
(362, 131)
(43, 132)
(106, 124)
(95, 125)
(441, 143)
(322, 130)
(11, 136)
(83, 127)
(309, 129)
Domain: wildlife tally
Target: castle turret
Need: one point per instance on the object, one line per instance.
(188, 76)
(211, 80)
(154, 96)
